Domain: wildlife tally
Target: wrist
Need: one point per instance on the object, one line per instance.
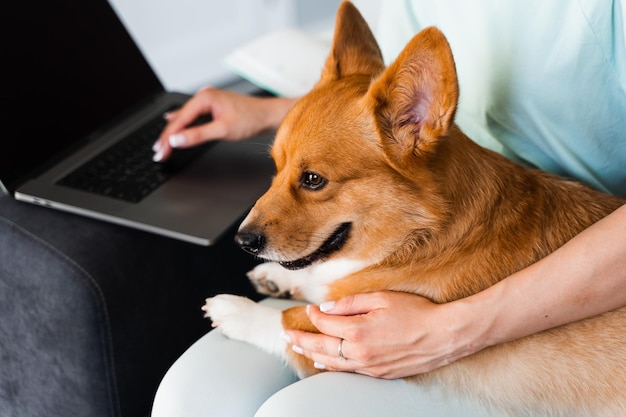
(275, 111)
(475, 323)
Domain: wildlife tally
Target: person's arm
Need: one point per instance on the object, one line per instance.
(235, 117)
(585, 277)
(393, 335)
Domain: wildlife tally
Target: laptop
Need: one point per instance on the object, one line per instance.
(77, 87)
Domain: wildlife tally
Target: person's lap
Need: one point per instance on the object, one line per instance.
(217, 376)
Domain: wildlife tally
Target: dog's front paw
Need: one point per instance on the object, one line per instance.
(231, 313)
(270, 278)
(242, 319)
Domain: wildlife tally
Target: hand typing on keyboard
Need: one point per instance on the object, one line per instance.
(234, 117)
(126, 170)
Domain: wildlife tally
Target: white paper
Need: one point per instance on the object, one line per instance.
(286, 62)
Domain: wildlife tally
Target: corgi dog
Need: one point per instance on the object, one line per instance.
(376, 188)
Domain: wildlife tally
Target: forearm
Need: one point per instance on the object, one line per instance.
(585, 277)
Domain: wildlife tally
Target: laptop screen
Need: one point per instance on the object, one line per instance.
(71, 67)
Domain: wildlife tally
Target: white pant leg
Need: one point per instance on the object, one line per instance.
(351, 395)
(219, 377)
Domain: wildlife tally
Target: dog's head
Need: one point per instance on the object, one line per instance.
(353, 156)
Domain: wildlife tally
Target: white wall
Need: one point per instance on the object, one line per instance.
(185, 40)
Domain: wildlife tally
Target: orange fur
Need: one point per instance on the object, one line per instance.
(434, 214)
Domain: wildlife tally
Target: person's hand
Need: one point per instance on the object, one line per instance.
(385, 334)
(235, 117)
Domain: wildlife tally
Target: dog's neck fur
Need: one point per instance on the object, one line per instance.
(475, 200)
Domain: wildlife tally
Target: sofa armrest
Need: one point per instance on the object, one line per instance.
(92, 314)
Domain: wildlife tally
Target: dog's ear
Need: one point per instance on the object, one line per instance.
(415, 99)
(354, 48)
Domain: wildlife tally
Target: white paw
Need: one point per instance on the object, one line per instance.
(228, 309)
(272, 279)
(242, 319)
(310, 284)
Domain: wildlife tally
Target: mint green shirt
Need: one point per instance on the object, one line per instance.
(541, 81)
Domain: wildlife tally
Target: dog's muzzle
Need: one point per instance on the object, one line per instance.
(250, 242)
(254, 243)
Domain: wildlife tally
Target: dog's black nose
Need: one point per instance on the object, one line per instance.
(250, 242)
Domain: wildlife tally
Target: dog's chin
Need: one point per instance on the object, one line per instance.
(334, 243)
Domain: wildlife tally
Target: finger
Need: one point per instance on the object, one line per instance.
(330, 360)
(175, 136)
(161, 149)
(317, 344)
(324, 351)
(354, 304)
(196, 106)
(342, 327)
(196, 135)
(179, 123)
(170, 116)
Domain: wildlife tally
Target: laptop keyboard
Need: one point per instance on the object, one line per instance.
(126, 171)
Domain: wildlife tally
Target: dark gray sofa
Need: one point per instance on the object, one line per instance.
(92, 314)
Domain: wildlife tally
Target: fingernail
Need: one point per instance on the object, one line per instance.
(327, 306)
(157, 146)
(318, 365)
(285, 337)
(177, 139)
(167, 115)
(158, 156)
(297, 349)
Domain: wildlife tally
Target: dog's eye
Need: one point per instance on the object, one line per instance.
(313, 181)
